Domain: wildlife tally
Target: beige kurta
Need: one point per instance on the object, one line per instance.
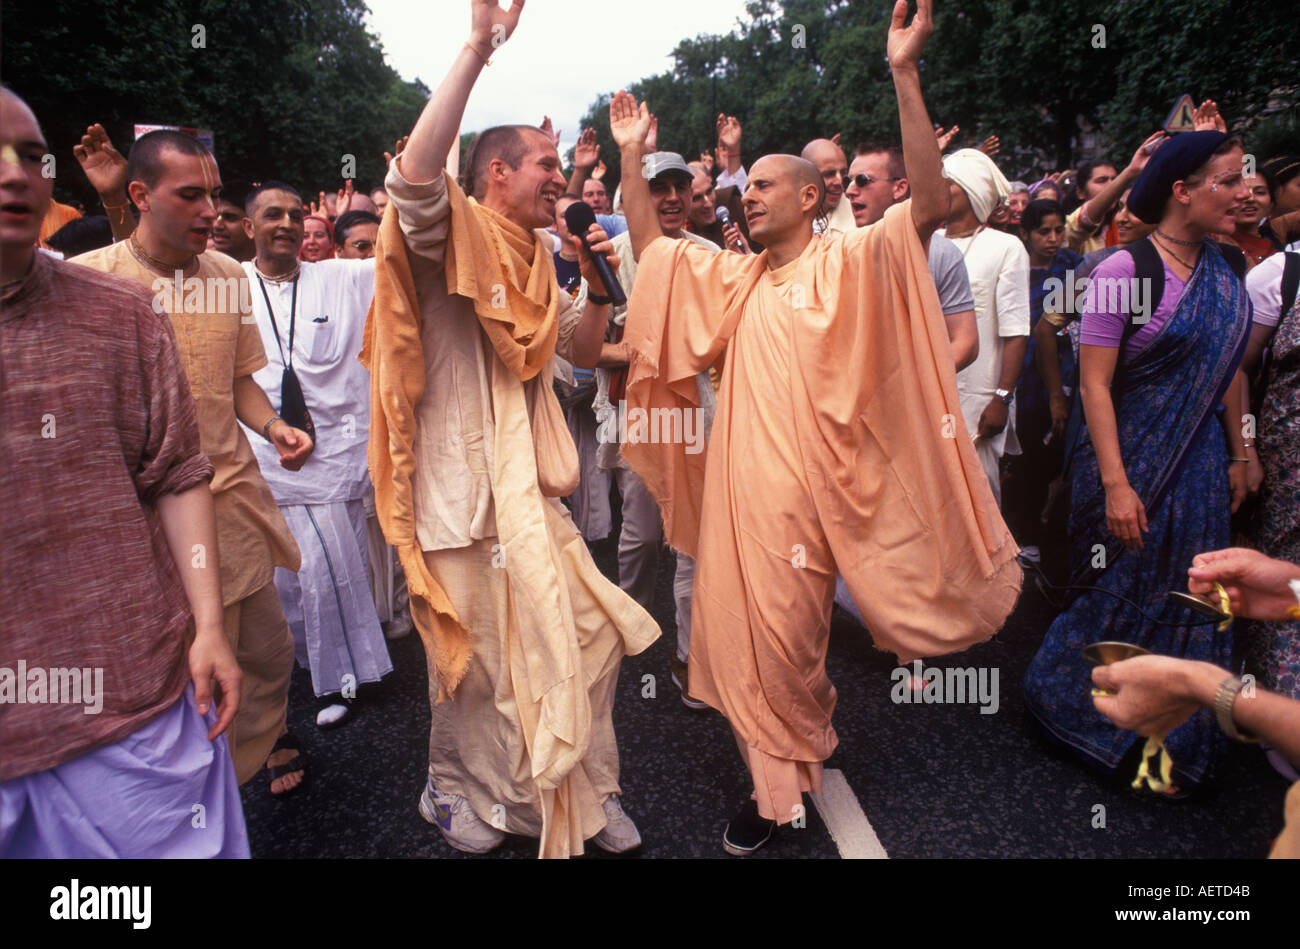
(838, 443)
(219, 343)
(469, 453)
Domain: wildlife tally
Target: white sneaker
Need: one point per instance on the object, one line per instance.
(399, 626)
(461, 827)
(620, 834)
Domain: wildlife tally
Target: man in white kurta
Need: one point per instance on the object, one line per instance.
(328, 602)
(998, 267)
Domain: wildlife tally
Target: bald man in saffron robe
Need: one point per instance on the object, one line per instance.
(838, 443)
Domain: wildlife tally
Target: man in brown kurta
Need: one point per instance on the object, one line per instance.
(174, 180)
(838, 443)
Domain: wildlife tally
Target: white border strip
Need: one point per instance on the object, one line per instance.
(844, 818)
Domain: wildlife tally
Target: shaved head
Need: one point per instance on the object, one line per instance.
(832, 166)
(509, 143)
(822, 148)
(782, 200)
(800, 172)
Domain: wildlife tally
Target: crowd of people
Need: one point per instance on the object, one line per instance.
(815, 374)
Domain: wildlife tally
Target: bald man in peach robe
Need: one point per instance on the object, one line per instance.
(838, 443)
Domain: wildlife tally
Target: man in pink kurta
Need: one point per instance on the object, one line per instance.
(838, 444)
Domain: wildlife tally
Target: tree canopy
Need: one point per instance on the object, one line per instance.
(288, 87)
(1038, 74)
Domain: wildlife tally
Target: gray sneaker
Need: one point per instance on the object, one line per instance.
(461, 827)
(680, 674)
(620, 834)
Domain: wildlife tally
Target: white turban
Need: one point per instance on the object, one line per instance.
(979, 178)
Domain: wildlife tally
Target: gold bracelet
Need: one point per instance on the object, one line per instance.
(474, 50)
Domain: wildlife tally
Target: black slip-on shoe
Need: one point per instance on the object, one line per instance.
(747, 831)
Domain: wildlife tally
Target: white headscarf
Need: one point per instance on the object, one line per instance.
(979, 178)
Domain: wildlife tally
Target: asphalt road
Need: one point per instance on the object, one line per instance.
(939, 780)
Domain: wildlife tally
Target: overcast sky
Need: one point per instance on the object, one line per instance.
(564, 54)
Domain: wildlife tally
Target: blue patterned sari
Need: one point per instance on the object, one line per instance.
(1175, 456)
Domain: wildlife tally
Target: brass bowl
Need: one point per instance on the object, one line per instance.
(1107, 653)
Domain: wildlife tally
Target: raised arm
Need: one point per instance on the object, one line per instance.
(630, 125)
(106, 169)
(585, 155)
(1094, 209)
(920, 149)
(438, 127)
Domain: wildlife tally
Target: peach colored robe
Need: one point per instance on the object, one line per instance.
(838, 444)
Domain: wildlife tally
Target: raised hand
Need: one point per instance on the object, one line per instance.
(599, 171)
(553, 135)
(990, 146)
(319, 210)
(1145, 151)
(490, 26)
(945, 138)
(905, 44)
(652, 137)
(835, 139)
(728, 127)
(398, 147)
(587, 152)
(343, 200)
(706, 159)
(628, 122)
(1207, 117)
(103, 164)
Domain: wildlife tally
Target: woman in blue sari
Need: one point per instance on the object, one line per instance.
(1150, 456)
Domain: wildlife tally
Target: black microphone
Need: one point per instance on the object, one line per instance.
(579, 217)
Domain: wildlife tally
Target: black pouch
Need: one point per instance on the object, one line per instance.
(293, 406)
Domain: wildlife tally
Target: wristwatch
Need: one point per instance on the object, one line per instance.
(1229, 689)
(1005, 395)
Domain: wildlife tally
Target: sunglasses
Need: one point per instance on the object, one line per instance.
(863, 181)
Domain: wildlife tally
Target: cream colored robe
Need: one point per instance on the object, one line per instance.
(469, 453)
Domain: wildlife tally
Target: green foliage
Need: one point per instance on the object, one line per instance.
(288, 87)
(1034, 72)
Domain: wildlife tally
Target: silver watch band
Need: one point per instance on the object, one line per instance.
(1224, 699)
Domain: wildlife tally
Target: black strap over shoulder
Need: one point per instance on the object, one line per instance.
(1290, 281)
(1147, 266)
(1235, 257)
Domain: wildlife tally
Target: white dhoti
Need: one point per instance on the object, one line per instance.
(329, 603)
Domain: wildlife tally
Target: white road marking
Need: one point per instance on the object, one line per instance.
(844, 818)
